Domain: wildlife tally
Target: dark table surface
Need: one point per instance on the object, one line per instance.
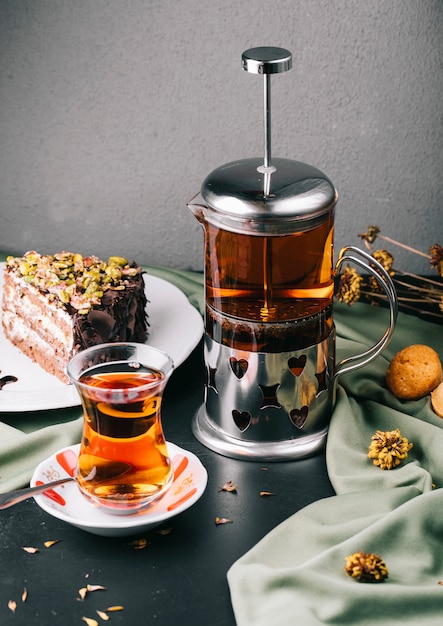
(180, 576)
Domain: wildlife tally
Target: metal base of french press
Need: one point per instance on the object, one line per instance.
(266, 406)
(290, 450)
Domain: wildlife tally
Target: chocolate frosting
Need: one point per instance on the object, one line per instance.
(121, 316)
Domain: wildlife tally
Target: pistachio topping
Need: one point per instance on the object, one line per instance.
(78, 281)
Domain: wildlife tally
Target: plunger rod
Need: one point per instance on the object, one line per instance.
(267, 309)
(267, 119)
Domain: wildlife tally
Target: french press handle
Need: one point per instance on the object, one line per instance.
(352, 254)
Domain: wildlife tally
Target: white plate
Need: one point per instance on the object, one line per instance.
(68, 504)
(175, 327)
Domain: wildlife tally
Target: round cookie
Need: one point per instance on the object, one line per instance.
(437, 400)
(414, 372)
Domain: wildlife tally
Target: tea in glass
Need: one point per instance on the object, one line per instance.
(123, 462)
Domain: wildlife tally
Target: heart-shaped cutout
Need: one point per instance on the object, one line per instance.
(297, 364)
(299, 416)
(242, 419)
(238, 366)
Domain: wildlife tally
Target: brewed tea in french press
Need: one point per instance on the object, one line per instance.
(269, 285)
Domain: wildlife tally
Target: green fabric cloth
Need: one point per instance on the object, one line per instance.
(28, 439)
(295, 575)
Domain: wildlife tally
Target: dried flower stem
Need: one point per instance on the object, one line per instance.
(404, 246)
(412, 290)
(403, 303)
(420, 278)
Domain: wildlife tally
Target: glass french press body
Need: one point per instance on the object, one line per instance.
(269, 284)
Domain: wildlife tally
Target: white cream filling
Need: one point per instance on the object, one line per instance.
(20, 331)
(23, 313)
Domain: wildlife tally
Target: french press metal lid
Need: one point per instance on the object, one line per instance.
(273, 196)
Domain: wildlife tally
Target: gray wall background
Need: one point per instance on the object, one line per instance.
(112, 112)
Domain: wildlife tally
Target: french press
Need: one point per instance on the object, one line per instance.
(269, 284)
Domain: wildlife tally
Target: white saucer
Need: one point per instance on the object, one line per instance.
(68, 504)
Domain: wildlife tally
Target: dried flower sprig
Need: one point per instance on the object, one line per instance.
(421, 294)
(388, 449)
(366, 568)
(349, 289)
(374, 231)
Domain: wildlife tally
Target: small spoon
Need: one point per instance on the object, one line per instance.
(13, 497)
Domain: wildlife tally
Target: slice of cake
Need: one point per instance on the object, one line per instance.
(53, 306)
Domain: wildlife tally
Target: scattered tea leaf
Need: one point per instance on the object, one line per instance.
(95, 587)
(223, 520)
(90, 621)
(82, 592)
(12, 605)
(104, 616)
(49, 544)
(266, 493)
(30, 550)
(264, 469)
(24, 595)
(229, 486)
(139, 544)
(89, 589)
(112, 609)
(165, 531)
